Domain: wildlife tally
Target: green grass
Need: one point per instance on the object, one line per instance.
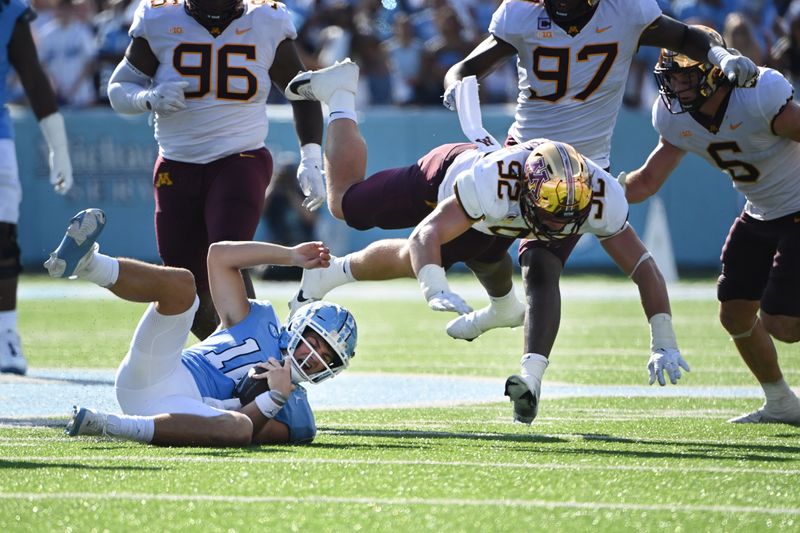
(587, 464)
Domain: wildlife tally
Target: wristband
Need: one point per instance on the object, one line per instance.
(716, 54)
(661, 333)
(270, 402)
(311, 151)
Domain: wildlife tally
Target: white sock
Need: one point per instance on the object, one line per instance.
(533, 367)
(102, 270)
(777, 392)
(340, 270)
(344, 102)
(138, 428)
(506, 304)
(8, 320)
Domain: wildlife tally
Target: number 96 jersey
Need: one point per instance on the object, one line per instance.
(488, 188)
(228, 76)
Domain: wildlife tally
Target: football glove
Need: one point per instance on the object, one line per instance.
(449, 301)
(165, 98)
(60, 165)
(739, 70)
(309, 175)
(667, 360)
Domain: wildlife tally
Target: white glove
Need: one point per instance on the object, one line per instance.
(165, 98)
(622, 179)
(449, 301)
(433, 282)
(739, 69)
(309, 175)
(449, 97)
(669, 360)
(60, 165)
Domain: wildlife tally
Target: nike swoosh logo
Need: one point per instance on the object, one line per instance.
(300, 297)
(734, 126)
(295, 86)
(243, 31)
(601, 30)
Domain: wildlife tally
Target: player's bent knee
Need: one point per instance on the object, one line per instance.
(737, 319)
(182, 282)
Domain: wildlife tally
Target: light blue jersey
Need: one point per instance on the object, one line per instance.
(223, 359)
(10, 12)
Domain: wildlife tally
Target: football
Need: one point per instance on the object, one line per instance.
(248, 388)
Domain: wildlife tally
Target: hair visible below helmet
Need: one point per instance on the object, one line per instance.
(335, 325)
(706, 76)
(214, 13)
(568, 10)
(556, 189)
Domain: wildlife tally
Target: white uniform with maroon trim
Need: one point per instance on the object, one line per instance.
(764, 167)
(577, 94)
(488, 187)
(228, 76)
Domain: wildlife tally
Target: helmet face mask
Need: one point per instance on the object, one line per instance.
(685, 84)
(214, 13)
(556, 195)
(335, 326)
(568, 10)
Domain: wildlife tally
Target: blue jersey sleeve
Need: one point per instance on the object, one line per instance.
(298, 416)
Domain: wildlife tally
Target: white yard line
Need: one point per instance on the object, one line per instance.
(427, 502)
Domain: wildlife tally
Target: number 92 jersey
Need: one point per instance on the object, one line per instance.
(488, 187)
(764, 167)
(228, 76)
(572, 82)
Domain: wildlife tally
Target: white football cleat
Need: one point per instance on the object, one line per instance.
(769, 414)
(78, 245)
(12, 361)
(87, 422)
(472, 325)
(314, 285)
(320, 84)
(525, 399)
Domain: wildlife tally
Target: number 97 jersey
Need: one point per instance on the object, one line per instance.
(227, 73)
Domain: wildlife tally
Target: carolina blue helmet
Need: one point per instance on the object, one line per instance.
(335, 325)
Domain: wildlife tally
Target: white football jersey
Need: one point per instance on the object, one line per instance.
(763, 166)
(228, 76)
(488, 185)
(571, 87)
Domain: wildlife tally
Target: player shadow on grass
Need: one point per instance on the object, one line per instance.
(36, 465)
(428, 434)
(699, 449)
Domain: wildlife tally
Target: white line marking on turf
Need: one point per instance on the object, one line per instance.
(410, 462)
(438, 502)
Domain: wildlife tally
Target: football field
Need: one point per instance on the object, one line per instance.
(416, 435)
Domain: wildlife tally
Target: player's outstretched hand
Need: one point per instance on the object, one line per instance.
(739, 70)
(448, 301)
(667, 360)
(311, 255)
(449, 96)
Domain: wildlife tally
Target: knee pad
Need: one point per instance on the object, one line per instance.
(10, 265)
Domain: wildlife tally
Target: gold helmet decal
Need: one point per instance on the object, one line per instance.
(705, 77)
(557, 194)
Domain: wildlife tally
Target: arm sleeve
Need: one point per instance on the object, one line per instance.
(125, 88)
